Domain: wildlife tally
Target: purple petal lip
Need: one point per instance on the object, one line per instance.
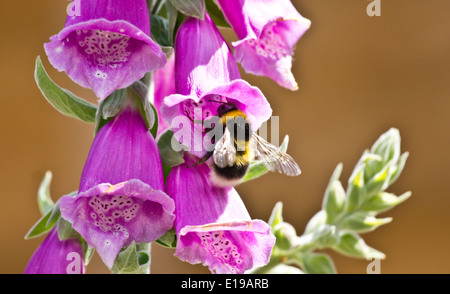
(104, 55)
(245, 97)
(109, 217)
(227, 247)
(56, 257)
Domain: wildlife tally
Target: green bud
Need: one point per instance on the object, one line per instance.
(334, 199)
(384, 201)
(285, 235)
(317, 220)
(352, 245)
(276, 216)
(362, 222)
(318, 263)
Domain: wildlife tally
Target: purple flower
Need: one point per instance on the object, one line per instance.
(120, 198)
(164, 81)
(57, 257)
(213, 226)
(107, 46)
(267, 32)
(206, 76)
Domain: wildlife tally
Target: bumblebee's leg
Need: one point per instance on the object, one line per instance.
(203, 159)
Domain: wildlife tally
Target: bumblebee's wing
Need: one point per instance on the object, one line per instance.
(273, 158)
(224, 151)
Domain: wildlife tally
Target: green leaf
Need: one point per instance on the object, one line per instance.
(384, 201)
(169, 157)
(127, 261)
(318, 263)
(160, 30)
(45, 202)
(362, 222)
(169, 240)
(61, 99)
(195, 8)
(133, 259)
(139, 91)
(334, 200)
(352, 245)
(172, 16)
(216, 14)
(258, 169)
(276, 216)
(42, 226)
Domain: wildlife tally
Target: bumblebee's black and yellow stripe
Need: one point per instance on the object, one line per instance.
(239, 146)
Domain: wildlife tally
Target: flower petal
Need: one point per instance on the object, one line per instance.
(56, 257)
(212, 224)
(106, 47)
(109, 217)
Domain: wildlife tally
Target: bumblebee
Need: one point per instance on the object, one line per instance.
(239, 146)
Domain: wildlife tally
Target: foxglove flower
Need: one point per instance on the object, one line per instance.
(120, 198)
(57, 257)
(207, 76)
(164, 81)
(213, 226)
(267, 32)
(107, 46)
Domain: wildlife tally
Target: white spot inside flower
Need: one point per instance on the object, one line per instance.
(107, 243)
(59, 50)
(100, 75)
(122, 30)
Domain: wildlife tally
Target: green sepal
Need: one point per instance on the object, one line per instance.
(109, 107)
(45, 201)
(43, 225)
(65, 230)
(352, 245)
(130, 260)
(257, 168)
(195, 8)
(169, 157)
(61, 99)
(169, 240)
(318, 263)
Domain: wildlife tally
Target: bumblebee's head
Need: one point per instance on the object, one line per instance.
(225, 108)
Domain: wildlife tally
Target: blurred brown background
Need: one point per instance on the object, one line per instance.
(358, 77)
